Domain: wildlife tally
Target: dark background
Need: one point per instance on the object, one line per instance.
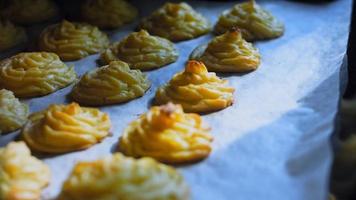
(351, 53)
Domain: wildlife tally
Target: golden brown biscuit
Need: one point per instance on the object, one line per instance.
(167, 134)
(120, 177)
(176, 22)
(22, 176)
(254, 22)
(30, 11)
(142, 51)
(65, 128)
(108, 13)
(73, 41)
(13, 113)
(196, 90)
(228, 53)
(10, 35)
(114, 83)
(35, 74)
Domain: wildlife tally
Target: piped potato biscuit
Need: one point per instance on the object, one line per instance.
(10, 35)
(228, 53)
(22, 176)
(196, 89)
(255, 22)
(13, 113)
(176, 22)
(35, 74)
(124, 178)
(167, 134)
(108, 13)
(110, 84)
(65, 128)
(73, 41)
(142, 51)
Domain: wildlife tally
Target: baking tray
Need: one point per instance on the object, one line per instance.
(274, 142)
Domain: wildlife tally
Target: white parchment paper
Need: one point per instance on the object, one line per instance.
(273, 143)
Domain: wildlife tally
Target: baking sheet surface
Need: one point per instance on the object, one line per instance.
(273, 143)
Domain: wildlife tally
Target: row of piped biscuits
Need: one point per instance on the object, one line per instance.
(111, 177)
(226, 53)
(178, 137)
(176, 22)
(33, 74)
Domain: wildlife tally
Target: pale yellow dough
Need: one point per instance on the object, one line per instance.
(30, 11)
(228, 53)
(114, 83)
(65, 128)
(13, 113)
(35, 74)
(119, 177)
(73, 41)
(167, 134)
(142, 51)
(22, 176)
(255, 22)
(10, 35)
(176, 22)
(197, 90)
(108, 13)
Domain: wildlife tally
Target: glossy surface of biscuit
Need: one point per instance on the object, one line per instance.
(22, 176)
(73, 41)
(13, 113)
(167, 134)
(114, 83)
(196, 89)
(120, 177)
(176, 22)
(228, 53)
(10, 35)
(35, 74)
(30, 11)
(142, 51)
(108, 13)
(255, 22)
(65, 128)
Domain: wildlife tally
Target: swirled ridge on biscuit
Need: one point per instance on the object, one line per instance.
(108, 13)
(142, 51)
(196, 89)
(114, 83)
(22, 176)
(30, 11)
(35, 74)
(73, 41)
(176, 22)
(65, 128)
(167, 134)
(10, 35)
(120, 177)
(228, 53)
(13, 113)
(254, 22)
